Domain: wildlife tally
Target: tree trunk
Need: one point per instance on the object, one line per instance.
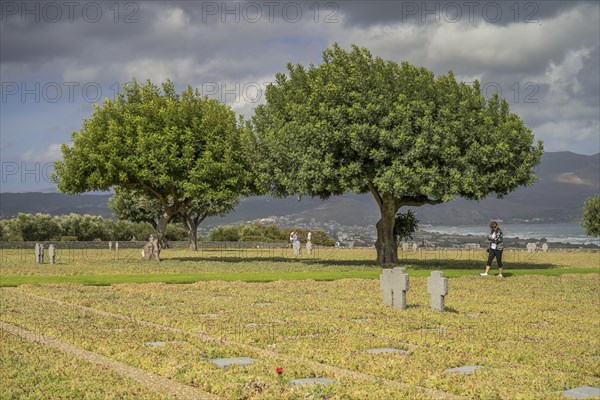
(387, 248)
(192, 231)
(161, 228)
(191, 224)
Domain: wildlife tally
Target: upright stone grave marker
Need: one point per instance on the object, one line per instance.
(394, 284)
(309, 248)
(531, 247)
(39, 253)
(437, 287)
(52, 254)
(110, 244)
(296, 247)
(36, 251)
(545, 247)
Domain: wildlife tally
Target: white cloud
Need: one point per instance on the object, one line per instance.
(563, 77)
(50, 153)
(570, 130)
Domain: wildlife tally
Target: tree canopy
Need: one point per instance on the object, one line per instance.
(174, 148)
(591, 216)
(361, 124)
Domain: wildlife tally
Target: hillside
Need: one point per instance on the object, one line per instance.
(565, 180)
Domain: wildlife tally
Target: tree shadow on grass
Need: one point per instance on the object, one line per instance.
(432, 264)
(307, 261)
(469, 264)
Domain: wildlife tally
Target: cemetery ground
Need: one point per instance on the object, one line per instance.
(102, 325)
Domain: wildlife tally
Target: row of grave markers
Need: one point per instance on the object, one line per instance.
(39, 253)
(394, 284)
(581, 392)
(296, 246)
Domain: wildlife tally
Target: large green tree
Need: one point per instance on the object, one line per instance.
(591, 216)
(175, 148)
(361, 124)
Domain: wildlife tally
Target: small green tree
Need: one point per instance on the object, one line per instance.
(225, 234)
(406, 224)
(591, 216)
(136, 206)
(37, 227)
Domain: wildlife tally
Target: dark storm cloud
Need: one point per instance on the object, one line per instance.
(232, 44)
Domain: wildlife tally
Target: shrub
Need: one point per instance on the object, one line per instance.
(225, 234)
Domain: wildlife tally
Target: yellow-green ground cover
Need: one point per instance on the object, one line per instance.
(31, 371)
(535, 335)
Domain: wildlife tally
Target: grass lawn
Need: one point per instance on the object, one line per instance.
(535, 333)
(101, 267)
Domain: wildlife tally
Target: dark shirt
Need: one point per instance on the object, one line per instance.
(497, 240)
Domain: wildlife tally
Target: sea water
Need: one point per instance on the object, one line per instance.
(562, 232)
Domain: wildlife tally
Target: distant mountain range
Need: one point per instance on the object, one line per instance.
(565, 180)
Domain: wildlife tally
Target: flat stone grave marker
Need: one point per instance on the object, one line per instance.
(394, 284)
(312, 381)
(208, 315)
(473, 315)
(263, 303)
(437, 287)
(226, 362)
(159, 343)
(466, 369)
(582, 392)
(383, 350)
(120, 330)
(312, 335)
(434, 330)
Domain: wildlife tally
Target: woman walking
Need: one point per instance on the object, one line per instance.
(495, 249)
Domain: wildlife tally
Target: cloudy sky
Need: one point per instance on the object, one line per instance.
(58, 58)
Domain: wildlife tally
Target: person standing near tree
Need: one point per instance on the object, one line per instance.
(495, 249)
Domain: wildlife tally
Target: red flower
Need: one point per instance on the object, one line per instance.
(279, 370)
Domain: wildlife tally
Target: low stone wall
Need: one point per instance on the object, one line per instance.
(140, 245)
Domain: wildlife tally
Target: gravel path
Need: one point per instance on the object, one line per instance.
(151, 381)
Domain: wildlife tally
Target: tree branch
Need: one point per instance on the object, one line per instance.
(159, 195)
(417, 201)
(376, 194)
